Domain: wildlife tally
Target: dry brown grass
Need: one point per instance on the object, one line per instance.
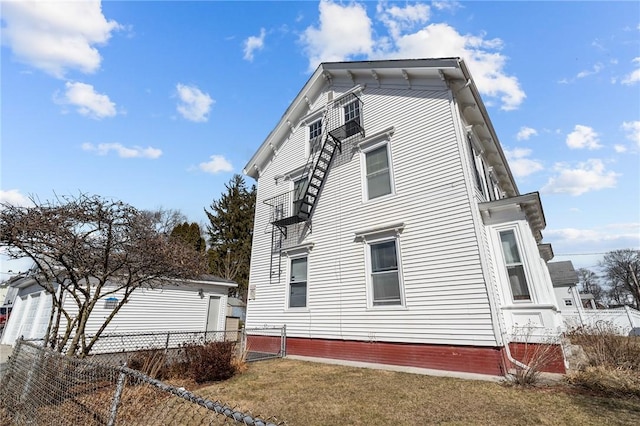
(305, 393)
(613, 362)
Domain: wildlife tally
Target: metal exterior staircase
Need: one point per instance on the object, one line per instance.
(297, 207)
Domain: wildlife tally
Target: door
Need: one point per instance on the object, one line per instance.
(213, 314)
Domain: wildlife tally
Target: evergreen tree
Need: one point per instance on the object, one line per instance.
(230, 233)
(190, 235)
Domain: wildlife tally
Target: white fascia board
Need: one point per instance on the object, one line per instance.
(489, 125)
(298, 108)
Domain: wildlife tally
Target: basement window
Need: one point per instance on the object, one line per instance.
(568, 302)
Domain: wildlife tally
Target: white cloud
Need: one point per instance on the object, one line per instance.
(583, 137)
(519, 164)
(634, 76)
(56, 36)
(399, 19)
(14, 197)
(620, 148)
(123, 151)
(595, 70)
(252, 44)
(216, 164)
(194, 104)
(633, 131)
(345, 32)
(587, 176)
(88, 102)
(621, 234)
(525, 133)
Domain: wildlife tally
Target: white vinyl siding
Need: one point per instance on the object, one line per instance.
(444, 294)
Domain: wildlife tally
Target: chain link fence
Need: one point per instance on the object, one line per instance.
(44, 387)
(251, 344)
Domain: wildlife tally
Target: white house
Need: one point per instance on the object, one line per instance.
(184, 306)
(389, 228)
(580, 309)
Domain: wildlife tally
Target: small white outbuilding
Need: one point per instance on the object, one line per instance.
(185, 306)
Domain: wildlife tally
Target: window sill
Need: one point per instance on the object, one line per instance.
(387, 308)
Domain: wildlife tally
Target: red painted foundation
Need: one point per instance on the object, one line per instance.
(470, 359)
(551, 354)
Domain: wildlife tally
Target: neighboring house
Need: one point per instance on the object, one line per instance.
(581, 310)
(389, 228)
(565, 285)
(236, 308)
(186, 306)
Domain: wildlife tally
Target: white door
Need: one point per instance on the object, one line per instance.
(213, 314)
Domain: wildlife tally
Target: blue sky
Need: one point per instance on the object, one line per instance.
(159, 103)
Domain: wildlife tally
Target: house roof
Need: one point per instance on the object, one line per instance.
(212, 279)
(562, 273)
(410, 73)
(234, 301)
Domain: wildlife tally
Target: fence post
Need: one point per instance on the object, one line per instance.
(116, 399)
(628, 311)
(243, 342)
(283, 341)
(166, 344)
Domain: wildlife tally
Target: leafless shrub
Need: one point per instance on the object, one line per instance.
(606, 348)
(613, 361)
(535, 355)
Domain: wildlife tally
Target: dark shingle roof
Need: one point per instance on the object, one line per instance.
(562, 273)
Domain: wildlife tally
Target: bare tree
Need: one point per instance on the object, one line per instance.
(86, 249)
(590, 283)
(622, 269)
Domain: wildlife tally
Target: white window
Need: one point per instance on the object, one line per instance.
(515, 267)
(377, 170)
(315, 133)
(299, 189)
(352, 112)
(352, 118)
(384, 273)
(298, 283)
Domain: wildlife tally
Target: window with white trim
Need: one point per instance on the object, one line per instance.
(515, 268)
(568, 302)
(299, 189)
(378, 173)
(352, 118)
(352, 112)
(298, 283)
(384, 273)
(315, 133)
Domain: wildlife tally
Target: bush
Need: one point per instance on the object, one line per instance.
(153, 363)
(211, 361)
(613, 361)
(604, 348)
